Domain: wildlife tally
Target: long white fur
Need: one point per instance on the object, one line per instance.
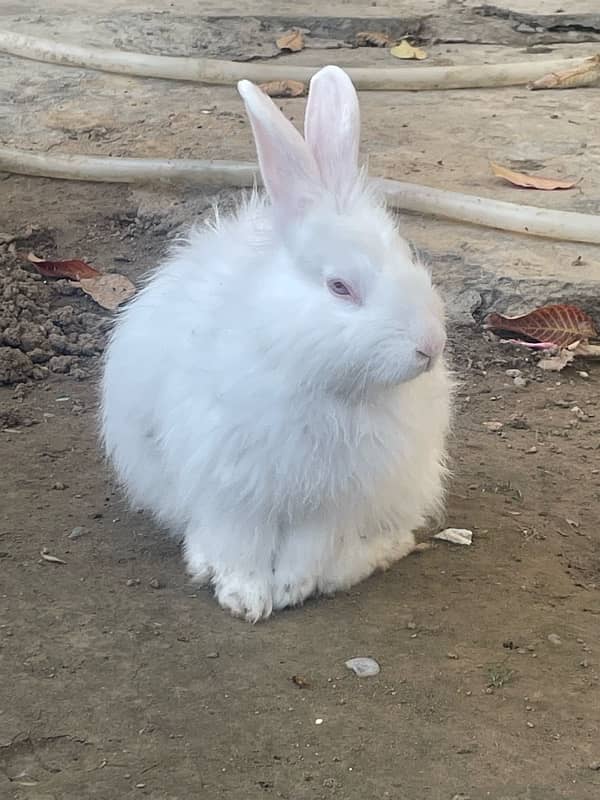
(291, 437)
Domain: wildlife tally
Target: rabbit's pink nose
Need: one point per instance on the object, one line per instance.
(431, 347)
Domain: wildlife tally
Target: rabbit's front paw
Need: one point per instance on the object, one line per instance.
(245, 595)
(291, 589)
(199, 569)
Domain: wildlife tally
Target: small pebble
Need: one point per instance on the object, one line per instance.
(583, 374)
(214, 654)
(493, 426)
(363, 667)
(453, 656)
(554, 638)
(77, 532)
(530, 725)
(461, 536)
(155, 583)
(595, 765)
(520, 382)
(513, 373)
(318, 721)
(532, 450)
(59, 486)
(133, 582)
(519, 422)
(140, 786)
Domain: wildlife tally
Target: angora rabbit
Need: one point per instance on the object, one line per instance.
(277, 394)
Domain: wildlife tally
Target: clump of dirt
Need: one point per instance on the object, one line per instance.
(41, 330)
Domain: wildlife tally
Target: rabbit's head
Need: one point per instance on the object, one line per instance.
(349, 305)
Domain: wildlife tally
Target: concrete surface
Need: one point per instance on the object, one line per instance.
(439, 139)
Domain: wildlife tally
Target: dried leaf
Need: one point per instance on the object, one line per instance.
(74, 270)
(586, 350)
(560, 324)
(408, 51)
(585, 74)
(559, 359)
(372, 39)
(109, 290)
(531, 181)
(284, 88)
(292, 40)
(52, 559)
(557, 362)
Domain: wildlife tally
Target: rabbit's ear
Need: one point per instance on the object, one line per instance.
(288, 168)
(332, 129)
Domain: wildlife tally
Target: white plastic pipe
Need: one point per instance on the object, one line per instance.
(570, 226)
(215, 71)
(565, 225)
(112, 169)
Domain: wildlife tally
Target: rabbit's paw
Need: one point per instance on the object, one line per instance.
(359, 560)
(245, 595)
(198, 567)
(291, 589)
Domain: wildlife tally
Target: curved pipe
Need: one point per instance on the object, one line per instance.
(215, 71)
(565, 225)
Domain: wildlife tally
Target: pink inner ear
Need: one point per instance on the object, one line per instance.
(332, 130)
(288, 168)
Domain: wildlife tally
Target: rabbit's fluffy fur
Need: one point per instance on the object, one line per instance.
(293, 437)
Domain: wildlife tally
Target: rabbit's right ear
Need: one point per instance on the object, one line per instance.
(332, 129)
(288, 168)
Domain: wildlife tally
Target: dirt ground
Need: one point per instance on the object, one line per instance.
(119, 679)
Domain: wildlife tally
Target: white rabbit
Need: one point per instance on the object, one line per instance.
(277, 392)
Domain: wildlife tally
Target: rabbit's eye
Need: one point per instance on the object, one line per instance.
(340, 288)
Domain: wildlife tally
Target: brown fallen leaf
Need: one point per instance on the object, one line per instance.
(108, 290)
(556, 362)
(74, 270)
(292, 40)
(560, 325)
(586, 349)
(284, 88)
(561, 358)
(406, 50)
(585, 74)
(530, 181)
(372, 39)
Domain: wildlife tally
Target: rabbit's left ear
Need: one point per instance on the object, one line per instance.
(332, 129)
(288, 168)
